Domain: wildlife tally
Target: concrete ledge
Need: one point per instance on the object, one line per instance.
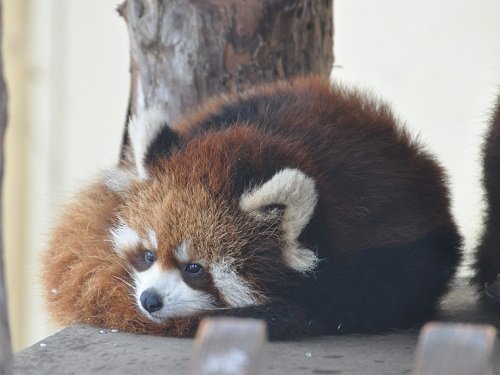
(90, 350)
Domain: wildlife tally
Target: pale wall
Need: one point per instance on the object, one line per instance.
(438, 63)
(73, 88)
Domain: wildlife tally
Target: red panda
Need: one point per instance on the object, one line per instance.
(487, 265)
(299, 203)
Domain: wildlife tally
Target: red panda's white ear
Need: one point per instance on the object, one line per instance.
(143, 129)
(295, 193)
(150, 138)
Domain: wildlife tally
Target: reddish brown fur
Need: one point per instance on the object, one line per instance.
(84, 280)
(377, 188)
(363, 128)
(179, 207)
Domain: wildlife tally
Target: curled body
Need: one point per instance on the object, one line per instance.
(298, 203)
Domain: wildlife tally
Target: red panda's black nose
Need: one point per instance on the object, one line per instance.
(151, 301)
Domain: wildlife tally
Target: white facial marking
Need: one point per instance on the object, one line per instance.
(123, 238)
(181, 253)
(143, 129)
(235, 291)
(153, 241)
(297, 192)
(178, 298)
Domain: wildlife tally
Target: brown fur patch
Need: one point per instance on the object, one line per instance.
(84, 280)
(383, 177)
(377, 188)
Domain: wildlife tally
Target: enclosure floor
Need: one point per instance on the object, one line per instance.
(89, 350)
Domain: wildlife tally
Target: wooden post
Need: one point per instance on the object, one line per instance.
(460, 349)
(228, 346)
(5, 347)
(185, 51)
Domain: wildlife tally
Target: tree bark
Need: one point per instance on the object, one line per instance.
(185, 51)
(5, 347)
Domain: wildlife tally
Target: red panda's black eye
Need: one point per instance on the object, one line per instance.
(149, 257)
(193, 269)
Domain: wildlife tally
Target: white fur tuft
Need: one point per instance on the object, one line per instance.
(124, 238)
(181, 253)
(143, 129)
(297, 192)
(235, 291)
(153, 240)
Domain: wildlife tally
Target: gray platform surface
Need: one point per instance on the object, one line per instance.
(90, 350)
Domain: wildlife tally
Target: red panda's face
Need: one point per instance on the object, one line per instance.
(185, 250)
(194, 246)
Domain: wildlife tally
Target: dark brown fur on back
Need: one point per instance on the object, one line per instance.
(488, 253)
(350, 143)
(382, 228)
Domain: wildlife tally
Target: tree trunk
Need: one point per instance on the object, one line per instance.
(5, 348)
(185, 51)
